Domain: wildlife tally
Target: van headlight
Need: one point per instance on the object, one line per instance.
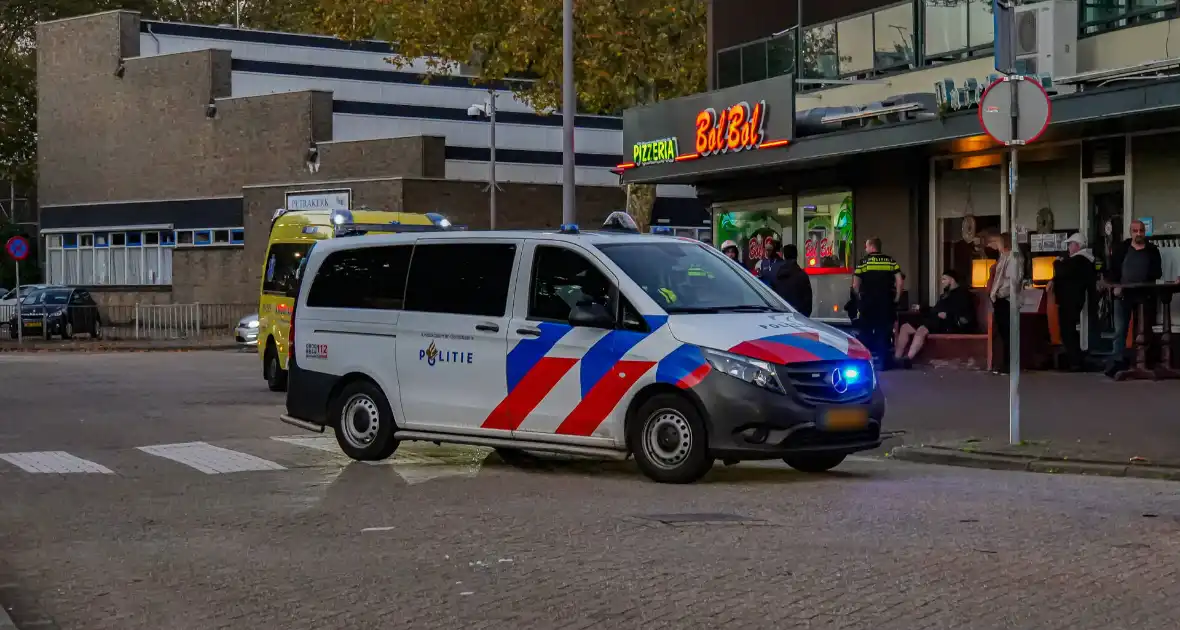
(752, 371)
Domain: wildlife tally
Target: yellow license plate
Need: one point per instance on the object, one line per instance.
(33, 324)
(845, 419)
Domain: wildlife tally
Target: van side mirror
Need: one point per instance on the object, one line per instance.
(591, 315)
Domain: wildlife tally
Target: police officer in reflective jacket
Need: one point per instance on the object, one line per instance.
(877, 283)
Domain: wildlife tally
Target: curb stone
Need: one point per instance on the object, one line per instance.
(109, 349)
(950, 457)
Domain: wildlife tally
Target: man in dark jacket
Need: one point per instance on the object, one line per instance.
(1133, 261)
(767, 267)
(1074, 283)
(792, 283)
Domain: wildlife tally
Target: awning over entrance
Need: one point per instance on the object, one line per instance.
(1129, 106)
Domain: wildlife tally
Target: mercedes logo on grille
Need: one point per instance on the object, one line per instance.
(836, 380)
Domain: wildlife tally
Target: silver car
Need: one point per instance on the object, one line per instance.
(246, 332)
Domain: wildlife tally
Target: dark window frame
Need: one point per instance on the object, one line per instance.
(515, 248)
(373, 299)
(615, 297)
(289, 286)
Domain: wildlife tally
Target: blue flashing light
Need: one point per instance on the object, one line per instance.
(569, 228)
(340, 217)
(851, 374)
(438, 219)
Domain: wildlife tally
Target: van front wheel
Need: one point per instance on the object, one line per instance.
(364, 422)
(668, 440)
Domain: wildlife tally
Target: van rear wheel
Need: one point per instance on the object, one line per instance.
(364, 422)
(667, 438)
(276, 376)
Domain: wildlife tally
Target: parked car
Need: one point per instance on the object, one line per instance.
(246, 332)
(57, 311)
(8, 299)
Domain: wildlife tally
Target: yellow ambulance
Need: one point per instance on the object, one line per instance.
(292, 234)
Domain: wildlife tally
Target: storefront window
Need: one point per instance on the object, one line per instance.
(751, 224)
(827, 226)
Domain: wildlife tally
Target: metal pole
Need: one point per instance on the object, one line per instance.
(237, 13)
(20, 322)
(569, 107)
(1015, 289)
(492, 166)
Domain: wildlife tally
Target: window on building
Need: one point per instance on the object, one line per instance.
(729, 68)
(754, 62)
(282, 261)
(471, 288)
(368, 278)
(132, 257)
(855, 37)
(819, 58)
(955, 28)
(1104, 15)
(893, 37)
(828, 231)
(780, 54)
(561, 279)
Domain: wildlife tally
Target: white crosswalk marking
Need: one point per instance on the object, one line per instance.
(328, 445)
(59, 462)
(209, 459)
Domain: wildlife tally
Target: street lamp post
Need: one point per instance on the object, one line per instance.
(492, 159)
(487, 109)
(569, 104)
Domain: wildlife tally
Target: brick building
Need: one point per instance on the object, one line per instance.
(165, 148)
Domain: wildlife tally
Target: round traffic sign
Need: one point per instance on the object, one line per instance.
(17, 247)
(1034, 110)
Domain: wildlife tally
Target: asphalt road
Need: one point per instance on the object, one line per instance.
(242, 530)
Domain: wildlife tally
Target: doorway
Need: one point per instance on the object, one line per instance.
(1104, 228)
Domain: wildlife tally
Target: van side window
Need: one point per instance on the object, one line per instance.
(369, 277)
(282, 261)
(561, 279)
(461, 278)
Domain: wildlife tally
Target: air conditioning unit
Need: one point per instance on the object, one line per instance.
(1047, 39)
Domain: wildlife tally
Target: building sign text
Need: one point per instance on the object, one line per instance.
(655, 151)
(735, 128)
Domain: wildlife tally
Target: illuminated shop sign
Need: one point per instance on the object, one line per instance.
(720, 126)
(737, 127)
(655, 151)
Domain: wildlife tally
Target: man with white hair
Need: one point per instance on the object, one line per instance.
(1074, 282)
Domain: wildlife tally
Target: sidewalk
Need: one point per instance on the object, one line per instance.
(118, 345)
(1064, 418)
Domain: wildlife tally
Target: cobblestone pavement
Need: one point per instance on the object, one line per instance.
(440, 538)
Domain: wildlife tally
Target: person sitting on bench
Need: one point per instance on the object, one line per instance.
(954, 313)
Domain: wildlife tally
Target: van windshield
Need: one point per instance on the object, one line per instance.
(686, 278)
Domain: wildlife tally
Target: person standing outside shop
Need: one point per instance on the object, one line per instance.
(1135, 260)
(730, 249)
(877, 284)
(1006, 270)
(792, 283)
(1074, 282)
(768, 266)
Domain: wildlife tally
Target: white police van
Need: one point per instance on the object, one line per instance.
(607, 343)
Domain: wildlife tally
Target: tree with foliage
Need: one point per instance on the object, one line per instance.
(18, 39)
(626, 52)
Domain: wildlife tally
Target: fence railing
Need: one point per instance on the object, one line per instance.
(146, 322)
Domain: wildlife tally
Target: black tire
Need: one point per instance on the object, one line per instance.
(276, 376)
(96, 329)
(67, 330)
(814, 462)
(363, 421)
(668, 439)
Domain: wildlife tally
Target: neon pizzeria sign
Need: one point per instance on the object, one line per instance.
(655, 151)
(739, 127)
